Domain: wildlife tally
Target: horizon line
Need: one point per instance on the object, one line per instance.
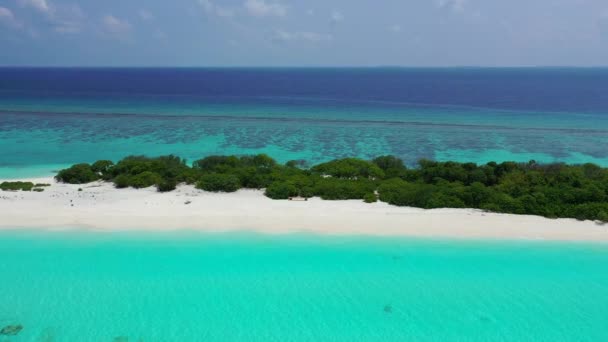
(300, 67)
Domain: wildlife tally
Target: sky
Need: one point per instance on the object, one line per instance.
(304, 33)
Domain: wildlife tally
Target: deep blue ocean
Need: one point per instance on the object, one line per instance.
(50, 118)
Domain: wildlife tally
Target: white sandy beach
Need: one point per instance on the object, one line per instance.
(99, 206)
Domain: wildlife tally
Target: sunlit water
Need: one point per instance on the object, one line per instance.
(50, 118)
(75, 286)
(193, 287)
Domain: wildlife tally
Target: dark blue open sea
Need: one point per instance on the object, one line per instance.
(50, 118)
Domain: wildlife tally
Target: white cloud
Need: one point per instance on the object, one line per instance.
(312, 37)
(68, 19)
(336, 17)
(145, 15)
(396, 28)
(261, 8)
(116, 27)
(207, 5)
(211, 8)
(224, 12)
(454, 5)
(8, 18)
(40, 5)
(68, 27)
(62, 18)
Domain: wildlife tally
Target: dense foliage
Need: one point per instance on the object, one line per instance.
(16, 186)
(78, 174)
(22, 186)
(552, 190)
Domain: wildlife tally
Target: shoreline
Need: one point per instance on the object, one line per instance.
(101, 207)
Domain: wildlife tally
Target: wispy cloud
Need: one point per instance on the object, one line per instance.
(68, 19)
(306, 36)
(395, 28)
(7, 18)
(336, 17)
(211, 8)
(145, 15)
(62, 18)
(261, 8)
(454, 5)
(39, 5)
(115, 27)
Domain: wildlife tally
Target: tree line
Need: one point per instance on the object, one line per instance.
(549, 190)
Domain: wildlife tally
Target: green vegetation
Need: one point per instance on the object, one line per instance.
(370, 198)
(78, 174)
(22, 186)
(552, 190)
(16, 186)
(217, 182)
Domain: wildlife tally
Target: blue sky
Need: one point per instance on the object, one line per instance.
(304, 33)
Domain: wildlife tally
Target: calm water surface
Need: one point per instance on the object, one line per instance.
(50, 118)
(192, 287)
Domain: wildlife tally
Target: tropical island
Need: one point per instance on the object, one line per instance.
(345, 196)
(552, 190)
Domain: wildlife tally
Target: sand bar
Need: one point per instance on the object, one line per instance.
(99, 206)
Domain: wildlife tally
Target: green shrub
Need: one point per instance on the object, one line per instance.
(401, 193)
(370, 198)
(343, 189)
(349, 168)
(300, 163)
(442, 200)
(103, 167)
(253, 178)
(281, 190)
(122, 181)
(77, 174)
(144, 180)
(16, 186)
(391, 165)
(602, 215)
(217, 182)
(167, 185)
(217, 163)
(503, 203)
(590, 211)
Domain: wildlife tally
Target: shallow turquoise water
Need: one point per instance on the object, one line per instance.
(38, 143)
(192, 287)
(51, 118)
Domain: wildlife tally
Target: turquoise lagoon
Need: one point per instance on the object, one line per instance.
(51, 118)
(37, 144)
(85, 286)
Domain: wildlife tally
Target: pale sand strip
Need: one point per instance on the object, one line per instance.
(101, 207)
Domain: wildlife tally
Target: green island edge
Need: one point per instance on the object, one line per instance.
(551, 190)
